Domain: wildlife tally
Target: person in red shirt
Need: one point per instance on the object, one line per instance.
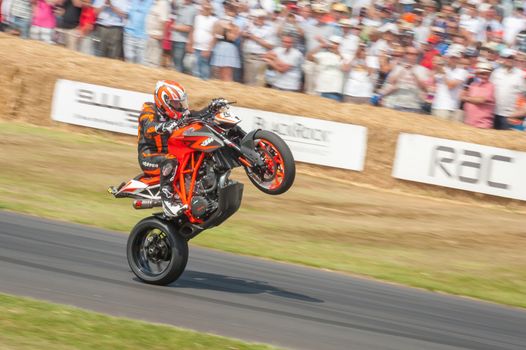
(429, 52)
(479, 99)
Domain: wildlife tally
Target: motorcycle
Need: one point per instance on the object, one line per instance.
(207, 147)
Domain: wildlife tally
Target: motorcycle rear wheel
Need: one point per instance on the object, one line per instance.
(156, 253)
(280, 170)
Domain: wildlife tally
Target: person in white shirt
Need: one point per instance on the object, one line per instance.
(509, 84)
(513, 25)
(259, 38)
(316, 33)
(329, 62)
(421, 31)
(359, 85)
(201, 40)
(449, 79)
(286, 61)
(351, 40)
(155, 25)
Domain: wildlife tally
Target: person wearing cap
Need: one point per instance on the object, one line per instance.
(329, 61)
(259, 38)
(449, 80)
(509, 85)
(406, 87)
(316, 34)
(388, 33)
(479, 98)
(421, 31)
(339, 11)
(351, 38)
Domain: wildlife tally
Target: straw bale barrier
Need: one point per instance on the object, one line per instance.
(28, 71)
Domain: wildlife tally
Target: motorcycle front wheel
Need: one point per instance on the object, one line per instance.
(156, 253)
(278, 173)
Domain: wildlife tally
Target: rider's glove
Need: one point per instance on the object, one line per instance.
(217, 104)
(167, 127)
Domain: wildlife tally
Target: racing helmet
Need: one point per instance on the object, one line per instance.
(170, 99)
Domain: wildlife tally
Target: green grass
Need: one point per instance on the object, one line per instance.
(461, 249)
(30, 324)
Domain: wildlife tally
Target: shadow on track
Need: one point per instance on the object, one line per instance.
(222, 283)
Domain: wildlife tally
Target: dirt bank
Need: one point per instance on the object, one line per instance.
(29, 70)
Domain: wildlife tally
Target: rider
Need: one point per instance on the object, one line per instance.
(157, 121)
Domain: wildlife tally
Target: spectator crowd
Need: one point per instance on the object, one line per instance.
(460, 60)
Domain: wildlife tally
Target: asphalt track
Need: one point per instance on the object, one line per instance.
(251, 299)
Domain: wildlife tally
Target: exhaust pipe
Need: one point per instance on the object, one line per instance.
(146, 203)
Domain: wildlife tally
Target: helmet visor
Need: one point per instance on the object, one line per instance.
(180, 105)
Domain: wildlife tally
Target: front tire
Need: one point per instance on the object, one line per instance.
(156, 253)
(278, 174)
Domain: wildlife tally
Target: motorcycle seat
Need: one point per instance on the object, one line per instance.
(148, 180)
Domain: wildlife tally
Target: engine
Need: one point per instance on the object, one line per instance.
(205, 199)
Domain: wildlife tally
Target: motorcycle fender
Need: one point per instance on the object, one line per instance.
(247, 148)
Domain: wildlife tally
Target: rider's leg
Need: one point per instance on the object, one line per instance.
(171, 203)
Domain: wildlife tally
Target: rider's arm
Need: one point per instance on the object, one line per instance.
(153, 127)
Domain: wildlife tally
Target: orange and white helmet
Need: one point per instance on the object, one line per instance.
(170, 99)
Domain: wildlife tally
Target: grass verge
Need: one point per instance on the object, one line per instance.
(450, 247)
(30, 324)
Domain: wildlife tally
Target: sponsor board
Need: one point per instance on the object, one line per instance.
(311, 140)
(97, 106)
(461, 165)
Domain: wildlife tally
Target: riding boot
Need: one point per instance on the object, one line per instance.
(172, 205)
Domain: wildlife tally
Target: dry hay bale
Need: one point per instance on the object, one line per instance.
(30, 70)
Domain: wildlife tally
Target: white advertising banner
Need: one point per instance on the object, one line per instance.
(97, 106)
(311, 140)
(461, 165)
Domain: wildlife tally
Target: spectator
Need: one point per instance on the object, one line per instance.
(287, 62)
(135, 36)
(509, 85)
(316, 33)
(360, 79)
(111, 17)
(225, 57)
(479, 99)
(291, 27)
(514, 24)
(421, 31)
(182, 26)
(156, 22)
(351, 39)
(201, 40)
(406, 88)
(87, 21)
(517, 120)
(339, 11)
(330, 75)
(21, 13)
(449, 79)
(259, 38)
(70, 11)
(44, 22)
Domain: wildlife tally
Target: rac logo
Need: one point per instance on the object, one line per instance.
(457, 164)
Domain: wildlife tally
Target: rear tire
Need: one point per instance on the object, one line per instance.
(156, 252)
(281, 169)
